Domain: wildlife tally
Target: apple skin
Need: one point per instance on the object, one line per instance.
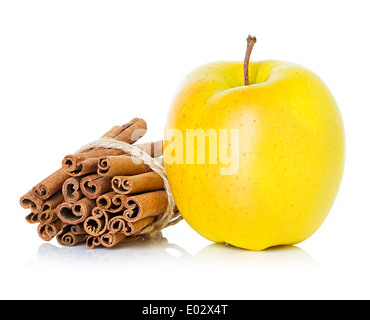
(291, 153)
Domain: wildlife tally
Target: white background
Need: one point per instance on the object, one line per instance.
(70, 70)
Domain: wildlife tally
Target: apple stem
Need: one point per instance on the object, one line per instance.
(250, 43)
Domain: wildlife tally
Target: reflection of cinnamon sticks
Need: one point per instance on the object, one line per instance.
(100, 196)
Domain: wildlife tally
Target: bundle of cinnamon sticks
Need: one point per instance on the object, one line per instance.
(99, 196)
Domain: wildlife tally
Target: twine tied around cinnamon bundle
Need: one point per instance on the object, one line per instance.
(171, 216)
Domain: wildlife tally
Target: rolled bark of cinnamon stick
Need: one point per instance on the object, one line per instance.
(112, 202)
(83, 163)
(119, 224)
(134, 227)
(86, 162)
(97, 223)
(50, 230)
(32, 218)
(111, 166)
(30, 201)
(51, 185)
(49, 208)
(94, 185)
(110, 239)
(49, 215)
(92, 242)
(129, 132)
(71, 190)
(70, 235)
(149, 181)
(145, 205)
(75, 213)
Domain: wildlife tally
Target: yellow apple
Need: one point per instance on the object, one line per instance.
(290, 152)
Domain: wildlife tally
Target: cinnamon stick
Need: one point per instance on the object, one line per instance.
(97, 223)
(134, 227)
(50, 230)
(75, 213)
(30, 201)
(110, 239)
(145, 205)
(149, 181)
(119, 224)
(71, 190)
(49, 212)
(86, 162)
(70, 235)
(111, 166)
(49, 216)
(92, 242)
(129, 132)
(112, 202)
(32, 218)
(51, 185)
(94, 185)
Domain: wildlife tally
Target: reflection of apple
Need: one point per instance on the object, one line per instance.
(283, 258)
(291, 152)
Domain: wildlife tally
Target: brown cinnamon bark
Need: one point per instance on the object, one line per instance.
(50, 230)
(112, 202)
(111, 166)
(94, 185)
(119, 224)
(86, 162)
(32, 218)
(110, 239)
(145, 205)
(30, 201)
(49, 215)
(92, 242)
(149, 181)
(75, 213)
(71, 235)
(83, 163)
(71, 190)
(49, 208)
(51, 185)
(97, 223)
(129, 132)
